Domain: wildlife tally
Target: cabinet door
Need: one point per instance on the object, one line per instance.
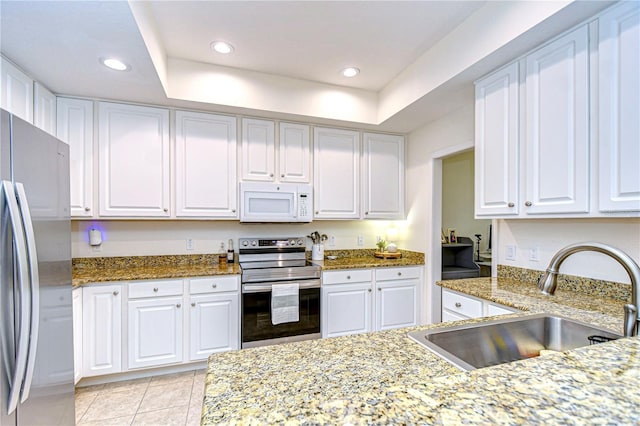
(77, 334)
(347, 309)
(44, 108)
(383, 177)
(496, 151)
(101, 330)
(258, 150)
(16, 91)
(206, 165)
(214, 324)
(396, 304)
(336, 159)
(294, 153)
(75, 127)
(133, 146)
(619, 85)
(557, 126)
(155, 332)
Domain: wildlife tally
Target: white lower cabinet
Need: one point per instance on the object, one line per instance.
(77, 333)
(350, 306)
(457, 306)
(214, 316)
(101, 330)
(154, 331)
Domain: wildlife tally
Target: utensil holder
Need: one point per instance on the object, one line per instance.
(317, 252)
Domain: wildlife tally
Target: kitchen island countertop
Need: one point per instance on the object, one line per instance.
(385, 377)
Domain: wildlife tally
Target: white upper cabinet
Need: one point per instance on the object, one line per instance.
(336, 159)
(44, 108)
(496, 152)
(205, 165)
(258, 150)
(557, 126)
(133, 146)
(294, 153)
(383, 176)
(75, 127)
(16, 91)
(619, 96)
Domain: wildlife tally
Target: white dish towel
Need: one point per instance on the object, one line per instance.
(284, 303)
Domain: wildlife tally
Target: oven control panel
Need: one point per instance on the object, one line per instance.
(271, 243)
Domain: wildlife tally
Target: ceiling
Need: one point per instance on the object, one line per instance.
(288, 55)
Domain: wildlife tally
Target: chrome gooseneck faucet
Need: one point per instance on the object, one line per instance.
(548, 281)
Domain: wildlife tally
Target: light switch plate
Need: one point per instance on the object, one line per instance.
(332, 241)
(510, 252)
(360, 240)
(189, 243)
(534, 254)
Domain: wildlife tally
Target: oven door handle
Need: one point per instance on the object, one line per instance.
(252, 288)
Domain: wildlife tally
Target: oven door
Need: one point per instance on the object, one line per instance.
(257, 329)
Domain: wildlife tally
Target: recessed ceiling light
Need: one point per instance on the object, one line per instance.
(222, 47)
(115, 64)
(350, 72)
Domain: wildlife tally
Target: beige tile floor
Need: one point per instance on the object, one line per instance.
(173, 399)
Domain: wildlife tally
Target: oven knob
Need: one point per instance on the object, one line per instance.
(300, 242)
(292, 242)
(254, 243)
(245, 243)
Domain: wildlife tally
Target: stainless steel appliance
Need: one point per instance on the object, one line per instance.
(36, 337)
(271, 261)
(275, 202)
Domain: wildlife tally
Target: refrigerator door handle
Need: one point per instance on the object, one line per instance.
(35, 289)
(25, 302)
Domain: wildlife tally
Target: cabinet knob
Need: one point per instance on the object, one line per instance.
(270, 174)
(115, 293)
(348, 277)
(178, 305)
(233, 211)
(379, 289)
(458, 304)
(366, 212)
(317, 212)
(214, 285)
(282, 175)
(369, 290)
(528, 204)
(165, 210)
(193, 304)
(399, 274)
(511, 205)
(155, 289)
(86, 209)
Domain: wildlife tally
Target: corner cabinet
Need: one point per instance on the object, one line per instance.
(619, 97)
(336, 160)
(75, 127)
(205, 165)
(133, 144)
(383, 176)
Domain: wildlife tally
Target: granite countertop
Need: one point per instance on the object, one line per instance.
(385, 377)
(106, 269)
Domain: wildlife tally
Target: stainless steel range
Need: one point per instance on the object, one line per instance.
(269, 266)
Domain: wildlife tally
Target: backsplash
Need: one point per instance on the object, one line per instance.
(594, 287)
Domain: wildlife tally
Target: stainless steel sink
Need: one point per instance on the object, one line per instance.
(494, 342)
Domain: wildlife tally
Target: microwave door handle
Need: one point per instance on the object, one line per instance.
(20, 249)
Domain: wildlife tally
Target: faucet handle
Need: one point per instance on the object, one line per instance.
(630, 320)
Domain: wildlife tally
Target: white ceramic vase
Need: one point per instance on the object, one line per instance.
(317, 252)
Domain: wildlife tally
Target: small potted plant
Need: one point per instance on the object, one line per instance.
(382, 244)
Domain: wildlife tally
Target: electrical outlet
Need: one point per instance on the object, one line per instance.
(189, 243)
(97, 249)
(360, 240)
(534, 254)
(510, 252)
(332, 241)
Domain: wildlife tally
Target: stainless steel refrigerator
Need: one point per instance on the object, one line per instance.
(36, 324)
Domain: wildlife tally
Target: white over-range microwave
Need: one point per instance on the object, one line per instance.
(275, 202)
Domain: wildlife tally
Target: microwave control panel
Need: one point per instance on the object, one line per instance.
(304, 205)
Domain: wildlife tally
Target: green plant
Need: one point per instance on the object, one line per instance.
(382, 244)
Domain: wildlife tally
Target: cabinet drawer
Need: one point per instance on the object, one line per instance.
(139, 289)
(346, 276)
(495, 309)
(462, 305)
(213, 285)
(388, 274)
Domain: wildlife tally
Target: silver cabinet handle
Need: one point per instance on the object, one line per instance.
(155, 289)
(115, 293)
(528, 204)
(193, 304)
(270, 174)
(399, 274)
(366, 212)
(458, 304)
(369, 290)
(214, 285)
(233, 211)
(282, 175)
(511, 205)
(379, 289)
(165, 210)
(178, 305)
(86, 209)
(317, 212)
(348, 277)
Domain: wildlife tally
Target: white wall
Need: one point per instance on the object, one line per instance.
(458, 198)
(155, 237)
(550, 235)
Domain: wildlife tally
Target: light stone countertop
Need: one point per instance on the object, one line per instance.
(385, 377)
